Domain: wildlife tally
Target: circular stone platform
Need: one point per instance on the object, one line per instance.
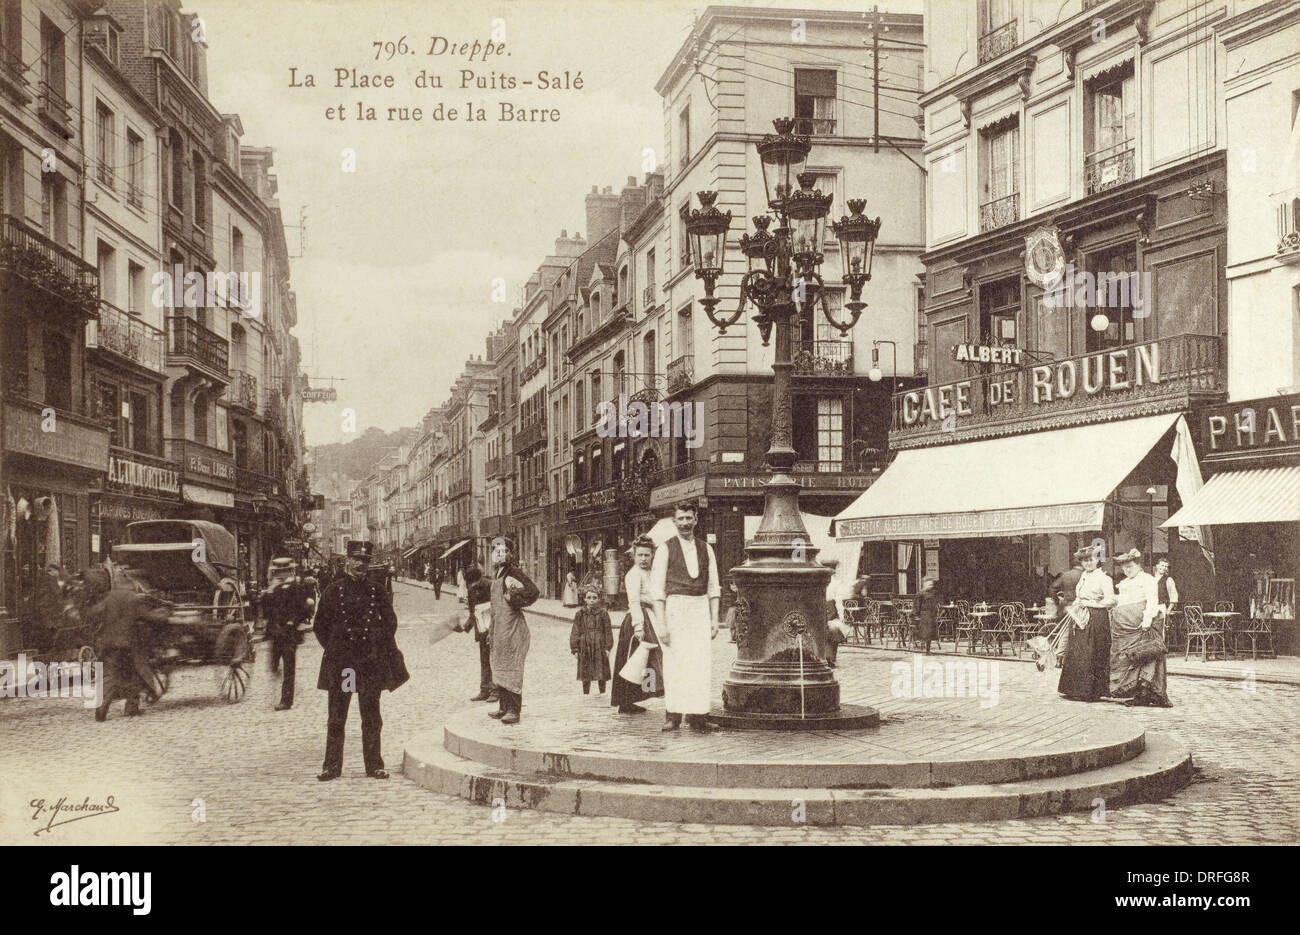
(929, 760)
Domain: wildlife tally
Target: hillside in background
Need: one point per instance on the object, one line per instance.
(356, 458)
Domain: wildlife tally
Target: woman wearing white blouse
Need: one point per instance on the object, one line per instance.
(636, 627)
(1085, 674)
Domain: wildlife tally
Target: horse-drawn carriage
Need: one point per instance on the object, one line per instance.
(191, 564)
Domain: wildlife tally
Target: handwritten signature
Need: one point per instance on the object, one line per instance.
(64, 813)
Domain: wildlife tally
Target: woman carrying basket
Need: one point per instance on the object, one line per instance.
(1137, 638)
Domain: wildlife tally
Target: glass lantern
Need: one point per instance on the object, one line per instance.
(707, 229)
(782, 156)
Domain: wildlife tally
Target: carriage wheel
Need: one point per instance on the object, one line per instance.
(232, 682)
(233, 650)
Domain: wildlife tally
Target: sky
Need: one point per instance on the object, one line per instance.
(395, 285)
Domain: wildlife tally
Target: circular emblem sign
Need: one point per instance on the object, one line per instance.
(1044, 258)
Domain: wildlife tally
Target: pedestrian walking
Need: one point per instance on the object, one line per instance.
(927, 613)
(123, 616)
(1137, 638)
(590, 639)
(357, 627)
(437, 583)
(684, 585)
(511, 591)
(287, 602)
(637, 627)
(1085, 674)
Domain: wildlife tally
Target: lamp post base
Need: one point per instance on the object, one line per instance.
(848, 717)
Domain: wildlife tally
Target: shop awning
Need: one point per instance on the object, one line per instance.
(208, 496)
(1262, 495)
(411, 551)
(1024, 484)
(452, 549)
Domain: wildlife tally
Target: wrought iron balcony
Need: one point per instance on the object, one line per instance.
(127, 336)
(823, 358)
(49, 266)
(814, 126)
(995, 43)
(248, 481)
(12, 74)
(459, 487)
(865, 465)
(242, 392)
(921, 358)
(530, 434)
(134, 195)
(535, 367)
(55, 107)
(999, 213)
(189, 344)
(492, 466)
(681, 373)
(1106, 168)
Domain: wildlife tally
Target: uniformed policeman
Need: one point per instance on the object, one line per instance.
(356, 625)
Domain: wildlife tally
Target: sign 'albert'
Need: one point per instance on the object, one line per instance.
(1114, 371)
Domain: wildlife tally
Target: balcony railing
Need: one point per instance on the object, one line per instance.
(1108, 167)
(54, 106)
(531, 499)
(814, 126)
(458, 487)
(999, 213)
(189, 342)
(242, 391)
(921, 358)
(11, 69)
(1000, 40)
(127, 336)
(535, 367)
(48, 265)
(134, 195)
(681, 373)
(823, 358)
(248, 481)
(1164, 375)
(532, 433)
(678, 472)
(492, 467)
(866, 465)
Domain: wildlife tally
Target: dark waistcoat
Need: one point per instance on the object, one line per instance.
(678, 581)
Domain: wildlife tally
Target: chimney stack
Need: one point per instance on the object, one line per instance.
(602, 213)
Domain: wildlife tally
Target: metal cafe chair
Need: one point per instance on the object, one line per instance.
(966, 626)
(1223, 607)
(892, 625)
(906, 623)
(1175, 627)
(1000, 628)
(1258, 630)
(855, 620)
(945, 624)
(1206, 633)
(1025, 628)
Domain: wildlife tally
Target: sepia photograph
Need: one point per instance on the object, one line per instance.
(677, 424)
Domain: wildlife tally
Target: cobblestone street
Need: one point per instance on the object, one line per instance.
(249, 772)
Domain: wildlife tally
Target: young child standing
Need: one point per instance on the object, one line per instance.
(591, 639)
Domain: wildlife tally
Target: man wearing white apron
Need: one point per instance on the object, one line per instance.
(684, 586)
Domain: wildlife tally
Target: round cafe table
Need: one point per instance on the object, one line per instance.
(1224, 619)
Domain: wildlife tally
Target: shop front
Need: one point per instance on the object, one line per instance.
(53, 461)
(995, 520)
(1251, 453)
(136, 487)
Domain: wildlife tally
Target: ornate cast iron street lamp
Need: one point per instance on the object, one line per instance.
(779, 677)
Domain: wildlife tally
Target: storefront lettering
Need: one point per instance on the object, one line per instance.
(127, 473)
(1271, 422)
(69, 443)
(209, 467)
(828, 480)
(1107, 371)
(1069, 516)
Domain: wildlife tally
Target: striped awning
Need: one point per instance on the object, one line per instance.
(1261, 495)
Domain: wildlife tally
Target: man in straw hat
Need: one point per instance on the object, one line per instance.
(686, 593)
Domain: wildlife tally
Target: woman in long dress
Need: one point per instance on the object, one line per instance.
(1085, 674)
(1135, 674)
(636, 628)
(511, 591)
(570, 589)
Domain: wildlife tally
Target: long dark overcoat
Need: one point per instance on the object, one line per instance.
(356, 625)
